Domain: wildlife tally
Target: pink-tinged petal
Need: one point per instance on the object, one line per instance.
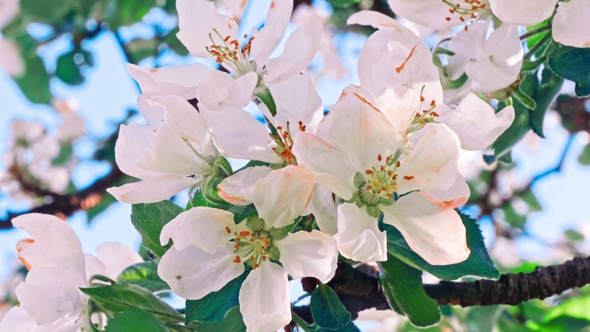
(116, 257)
(523, 12)
(220, 90)
(153, 190)
(202, 227)
(178, 80)
(323, 207)
(362, 131)
(264, 298)
(193, 273)
(501, 57)
(54, 244)
(133, 140)
(250, 140)
(432, 164)
(275, 25)
(94, 266)
(18, 319)
(359, 237)
(169, 153)
(456, 195)
(570, 25)
(49, 296)
(332, 168)
(309, 254)
(431, 13)
(375, 19)
(199, 22)
(296, 100)
(373, 52)
(399, 105)
(476, 123)
(234, 189)
(290, 190)
(430, 227)
(300, 48)
(186, 121)
(153, 114)
(465, 44)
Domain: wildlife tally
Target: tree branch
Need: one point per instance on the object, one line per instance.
(360, 290)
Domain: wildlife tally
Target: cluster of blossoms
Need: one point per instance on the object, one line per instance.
(386, 153)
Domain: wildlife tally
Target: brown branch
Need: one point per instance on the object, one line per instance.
(359, 290)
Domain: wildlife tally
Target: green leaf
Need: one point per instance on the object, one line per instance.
(525, 99)
(118, 297)
(132, 318)
(550, 87)
(140, 49)
(575, 308)
(144, 275)
(512, 217)
(343, 3)
(216, 305)
(65, 155)
(47, 11)
(149, 219)
(233, 322)
(34, 81)
(240, 212)
(522, 120)
(531, 200)
(482, 319)
(572, 64)
(69, 66)
(327, 310)
(127, 12)
(403, 283)
(529, 65)
(477, 264)
(174, 43)
(584, 158)
(266, 98)
(574, 235)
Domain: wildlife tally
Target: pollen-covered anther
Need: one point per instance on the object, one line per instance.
(408, 177)
(227, 230)
(237, 259)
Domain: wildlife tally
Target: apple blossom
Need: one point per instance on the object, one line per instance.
(57, 267)
(210, 250)
(365, 163)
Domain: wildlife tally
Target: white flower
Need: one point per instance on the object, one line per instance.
(210, 249)
(57, 268)
(570, 25)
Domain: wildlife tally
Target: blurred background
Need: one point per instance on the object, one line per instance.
(64, 91)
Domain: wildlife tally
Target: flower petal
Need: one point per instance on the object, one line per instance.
(431, 13)
(54, 245)
(199, 22)
(264, 298)
(359, 237)
(300, 48)
(275, 25)
(193, 273)
(375, 19)
(476, 123)
(431, 228)
(180, 80)
(323, 207)
(570, 25)
(233, 189)
(153, 190)
(18, 319)
(291, 189)
(202, 227)
(456, 195)
(309, 254)
(220, 90)
(523, 12)
(116, 257)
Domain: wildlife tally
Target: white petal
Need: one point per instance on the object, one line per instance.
(264, 298)
(168, 153)
(180, 80)
(291, 189)
(465, 44)
(375, 19)
(431, 13)
(199, 21)
(523, 12)
(570, 25)
(116, 257)
(299, 50)
(201, 227)
(153, 190)
(193, 273)
(251, 140)
(133, 140)
(332, 168)
(431, 228)
(456, 195)
(220, 90)
(153, 114)
(359, 237)
(234, 188)
(323, 207)
(432, 164)
(54, 245)
(309, 254)
(48, 295)
(275, 25)
(10, 57)
(94, 266)
(476, 123)
(18, 319)
(399, 105)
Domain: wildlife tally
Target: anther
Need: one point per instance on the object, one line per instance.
(237, 259)
(227, 230)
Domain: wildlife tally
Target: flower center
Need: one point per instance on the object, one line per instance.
(381, 181)
(228, 53)
(427, 116)
(251, 247)
(471, 10)
(284, 142)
